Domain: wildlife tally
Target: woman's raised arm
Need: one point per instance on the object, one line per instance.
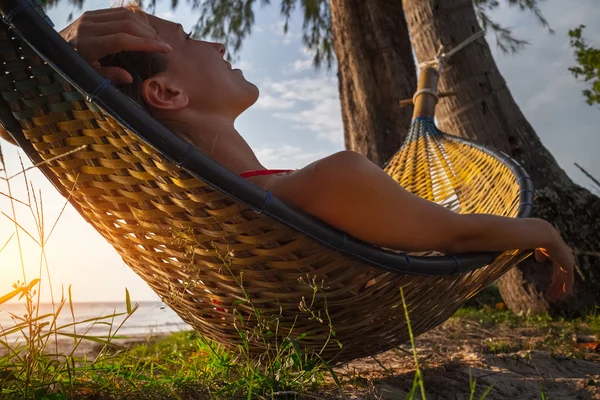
(96, 34)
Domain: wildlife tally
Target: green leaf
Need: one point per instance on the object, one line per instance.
(588, 68)
(333, 374)
(127, 301)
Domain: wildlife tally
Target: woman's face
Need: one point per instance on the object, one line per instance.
(199, 67)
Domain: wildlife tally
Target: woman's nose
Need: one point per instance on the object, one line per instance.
(221, 48)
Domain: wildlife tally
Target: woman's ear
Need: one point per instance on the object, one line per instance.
(160, 93)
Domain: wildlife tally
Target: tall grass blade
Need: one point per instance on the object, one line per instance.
(7, 242)
(418, 378)
(127, 301)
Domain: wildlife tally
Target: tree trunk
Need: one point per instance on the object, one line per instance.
(484, 110)
(375, 71)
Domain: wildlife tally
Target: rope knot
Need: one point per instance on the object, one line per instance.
(442, 58)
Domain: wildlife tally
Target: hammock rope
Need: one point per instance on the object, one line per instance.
(441, 58)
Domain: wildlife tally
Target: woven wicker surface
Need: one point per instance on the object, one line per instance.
(216, 262)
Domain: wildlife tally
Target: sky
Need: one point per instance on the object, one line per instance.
(296, 120)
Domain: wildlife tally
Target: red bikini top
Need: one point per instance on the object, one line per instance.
(257, 172)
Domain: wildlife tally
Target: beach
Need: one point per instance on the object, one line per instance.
(151, 319)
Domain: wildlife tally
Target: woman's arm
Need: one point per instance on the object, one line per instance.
(351, 193)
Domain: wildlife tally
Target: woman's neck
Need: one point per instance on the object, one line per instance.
(218, 139)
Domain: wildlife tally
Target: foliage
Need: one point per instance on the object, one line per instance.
(27, 366)
(588, 65)
(504, 37)
(231, 22)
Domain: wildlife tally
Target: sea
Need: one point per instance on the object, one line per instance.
(151, 317)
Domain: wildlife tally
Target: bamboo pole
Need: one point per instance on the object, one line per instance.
(426, 97)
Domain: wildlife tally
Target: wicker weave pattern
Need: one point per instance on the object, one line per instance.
(213, 260)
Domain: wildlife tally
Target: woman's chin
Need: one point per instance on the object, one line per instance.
(248, 101)
(253, 94)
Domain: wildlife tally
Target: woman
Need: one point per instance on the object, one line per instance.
(189, 87)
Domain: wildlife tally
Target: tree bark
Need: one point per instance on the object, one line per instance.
(375, 71)
(484, 110)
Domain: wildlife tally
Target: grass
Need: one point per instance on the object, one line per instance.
(185, 365)
(180, 366)
(499, 346)
(558, 333)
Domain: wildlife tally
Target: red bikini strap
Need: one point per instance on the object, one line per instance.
(258, 172)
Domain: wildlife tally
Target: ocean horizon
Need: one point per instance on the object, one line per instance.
(151, 317)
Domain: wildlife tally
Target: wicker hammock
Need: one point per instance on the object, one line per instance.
(226, 256)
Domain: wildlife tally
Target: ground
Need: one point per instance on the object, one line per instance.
(479, 351)
(496, 356)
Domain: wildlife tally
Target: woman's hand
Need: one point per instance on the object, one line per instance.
(564, 268)
(96, 34)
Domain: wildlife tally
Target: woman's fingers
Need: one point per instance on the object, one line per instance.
(95, 48)
(554, 291)
(558, 279)
(570, 279)
(562, 282)
(540, 255)
(99, 33)
(563, 275)
(116, 75)
(106, 11)
(132, 26)
(109, 14)
(97, 17)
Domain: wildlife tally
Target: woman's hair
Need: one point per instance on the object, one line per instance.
(140, 65)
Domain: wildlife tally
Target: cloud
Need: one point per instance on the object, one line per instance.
(269, 102)
(323, 118)
(310, 103)
(301, 65)
(286, 156)
(245, 66)
(286, 38)
(305, 63)
(168, 15)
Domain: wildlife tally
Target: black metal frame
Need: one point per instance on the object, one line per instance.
(28, 24)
